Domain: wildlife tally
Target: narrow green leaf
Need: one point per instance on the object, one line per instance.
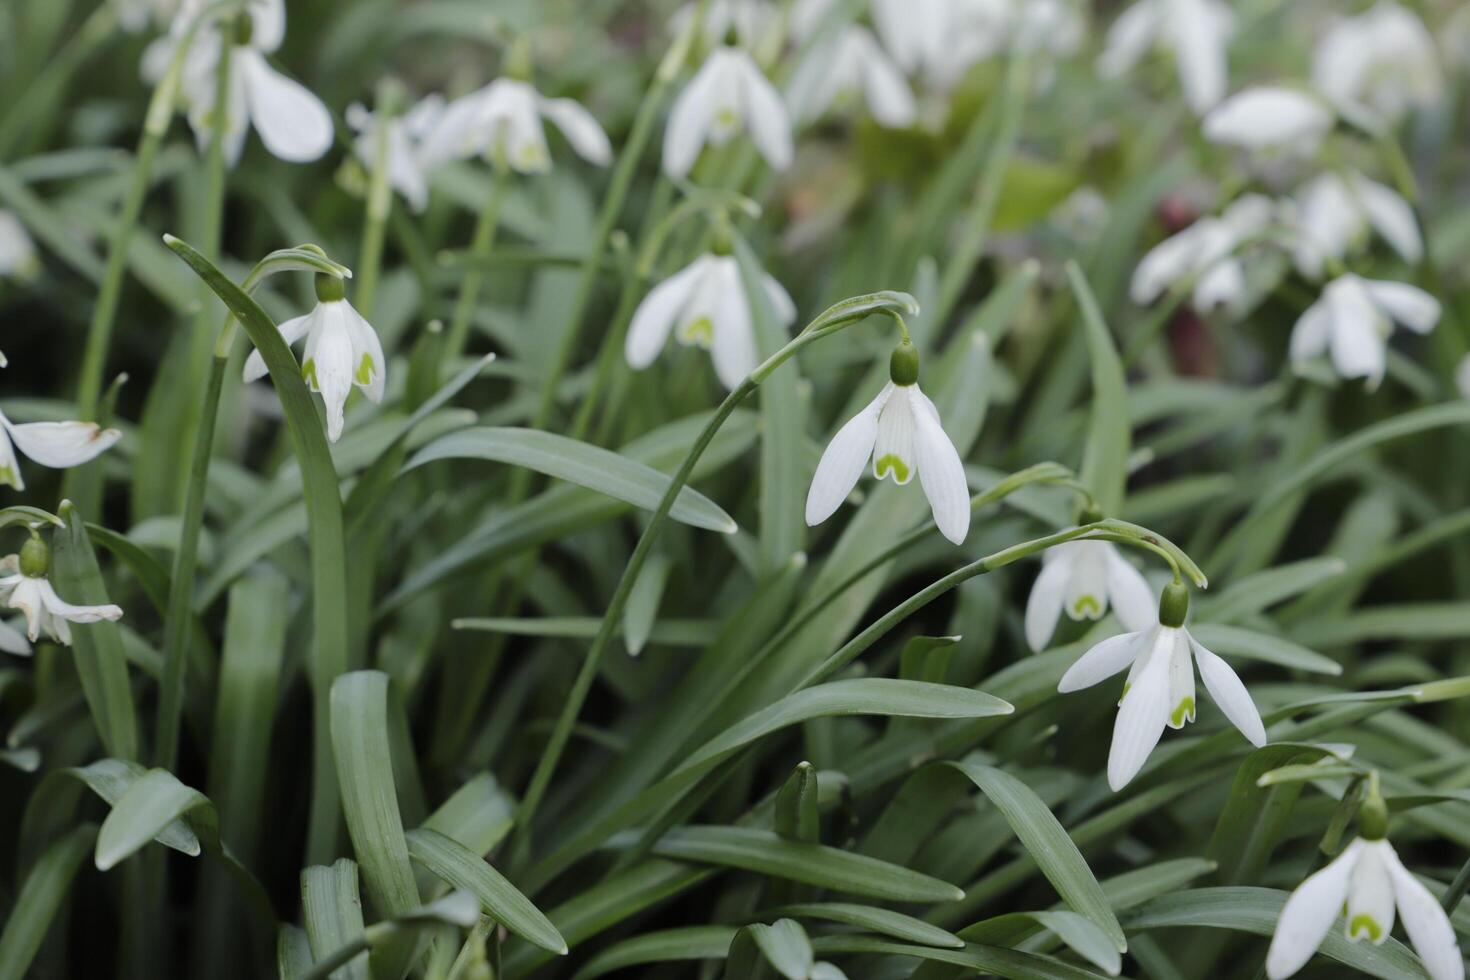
(796, 805)
(874, 919)
(39, 900)
(1260, 591)
(994, 960)
(786, 947)
(1233, 641)
(331, 907)
(664, 946)
(643, 602)
(1105, 461)
(1080, 934)
(293, 953)
(155, 800)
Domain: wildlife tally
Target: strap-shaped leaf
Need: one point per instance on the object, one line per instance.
(39, 899)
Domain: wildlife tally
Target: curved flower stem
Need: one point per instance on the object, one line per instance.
(474, 277)
(379, 207)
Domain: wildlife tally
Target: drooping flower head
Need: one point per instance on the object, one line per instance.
(24, 586)
(1084, 578)
(403, 138)
(728, 95)
(505, 121)
(55, 444)
(17, 251)
(342, 350)
(1195, 32)
(901, 433)
(1382, 63)
(841, 69)
(1334, 212)
(1353, 320)
(705, 305)
(940, 40)
(1207, 250)
(1270, 119)
(1159, 692)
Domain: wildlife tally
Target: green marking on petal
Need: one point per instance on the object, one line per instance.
(1088, 607)
(308, 373)
(1364, 926)
(1182, 712)
(699, 332)
(727, 118)
(892, 464)
(8, 477)
(531, 156)
(365, 370)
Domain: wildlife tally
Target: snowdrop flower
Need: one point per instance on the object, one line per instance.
(1364, 883)
(1051, 27)
(1206, 249)
(505, 121)
(342, 350)
(1082, 577)
(55, 444)
(1334, 213)
(1383, 61)
(901, 432)
(1352, 322)
(1270, 119)
(24, 586)
(136, 15)
(1196, 32)
(292, 123)
(17, 251)
(727, 95)
(940, 40)
(1160, 688)
(756, 24)
(848, 65)
(705, 305)
(404, 138)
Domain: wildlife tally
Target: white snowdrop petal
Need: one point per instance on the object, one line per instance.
(1265, 117)
(843, 460)
(61, 444)
(370, 367)
(1163, 265)
(25, 596)
(456, 134)
(268, 23)
(1130, 37)
(1425, 921)
(893, 453)
(1358, 346)
(292, 123)
(581, 128)
(1044, 605)
(890, 100)
(291, 331)
(691, 118)
(1133, 601)
(1182, 706)
(655, 316)
(60, 608)
(10, 466)
(1199, 52)
(1229, 693)
(941, 473)
(1392, 217)
(1308, 913)
(733, 348)
(765, 115)
(1313, 331)
(1142, 715)
(782, 304)
(13, 641)
(1405, 304)
(1105, 659)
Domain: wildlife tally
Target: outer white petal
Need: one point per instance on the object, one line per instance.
(733, 349)
(1309, 913)
(1166, 263)
(329, 365)
(25, 595)
(765, 114)
(1313, 331)
(581, 129)
(1425, 921)
(1044, 605)
(1405, 304)
(61, 444)
(292, 123)
(816, 83)
(17, 251)
(514, 120)
(269, 23)
(456, 134)
(1143, 713)
(1199, 51)
(291, 331)
(889, 98)
(1358, 345)
(655, 316)
(367, 354)
(1111, 656)
(1133, 601)
(941, 473)
(843, 460)
(781, 303)
(691, 118)
(1392, 217)
(826, 971)
(1222, 286)
(237, 105)
(14, 641)
(1130, 37)
(1266, 117)
(10, 466)
(1370, 896)
(1227, 691)
(62, 609)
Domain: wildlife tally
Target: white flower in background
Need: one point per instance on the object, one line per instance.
(705, 305)
(1352, 321)
(55, 444)
(901, 432)
(755, 23)
(1270, 119)
(1364, 883)
(1383, 61)
(24, 586)
(939, 40)
(1206, 249)
(404, 135)
(17, 252)
(292, 123)
(342, 350)
(14, 641)
(843, 67)
(1462, 377)
(1160, 691)
(1196, 32)
(1051, 27)
(506, 119)
(1083, 577)
(138, 15)
(1334, 213)
(727, 95)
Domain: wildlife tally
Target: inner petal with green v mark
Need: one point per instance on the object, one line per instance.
(308, 371)
(1087, 606)
(1183, 711)
(699, 332)
(364, 374)
(892, 464)
(1364, 926)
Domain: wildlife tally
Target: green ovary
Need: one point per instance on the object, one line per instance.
(1363, 926)
(699, 332)
(892, 464)
(365, 370)
(1087, 606)
(1182, 713)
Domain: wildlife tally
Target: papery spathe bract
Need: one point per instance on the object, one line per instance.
(727, 96)
(1270, 119)
(1084, 578)
(505, 122)
(408, 165)
(1383, 61)
(1208, 250)
(1368, 880)
(1352, 322)
(1196, 32)
(850, 64)
(17, 251)
(342, 350)
(705, 305)
(901, 433)
(1334, 212)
